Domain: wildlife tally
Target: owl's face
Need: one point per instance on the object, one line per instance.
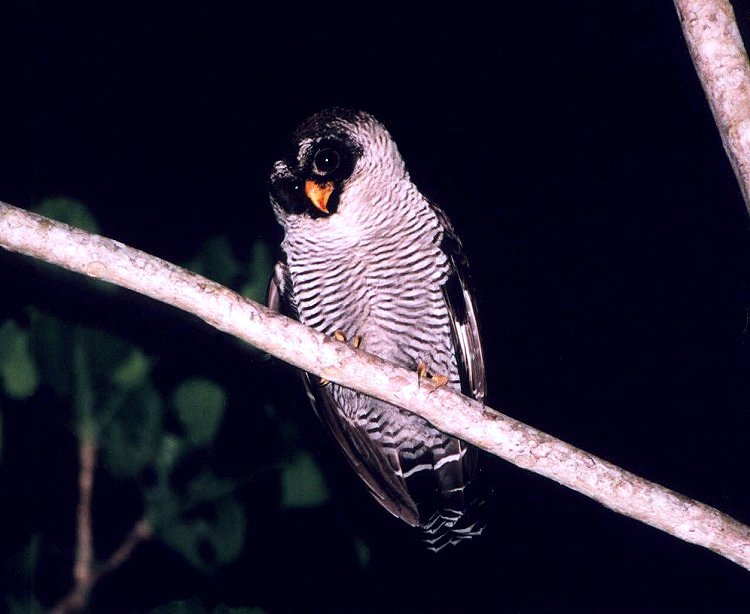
(330, 157)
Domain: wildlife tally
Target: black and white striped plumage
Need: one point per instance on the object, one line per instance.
(368, 255)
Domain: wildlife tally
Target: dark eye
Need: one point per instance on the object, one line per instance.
(326, 161)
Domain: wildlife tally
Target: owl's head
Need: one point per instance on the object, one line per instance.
(336, 159)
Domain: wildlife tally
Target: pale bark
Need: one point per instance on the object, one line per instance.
(721, 62)
(522, 445)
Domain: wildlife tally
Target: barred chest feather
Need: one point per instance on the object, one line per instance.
(383, 282)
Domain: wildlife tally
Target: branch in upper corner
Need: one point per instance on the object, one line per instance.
(522, 445)
(721, 62)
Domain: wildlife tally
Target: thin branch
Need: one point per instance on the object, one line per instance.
(78, 597)
(82, 567)
(721, 62)
(140, 532)
(85, 547)
(522, 445)
(85, 573)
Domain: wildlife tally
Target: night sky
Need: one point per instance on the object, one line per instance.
(572, 147)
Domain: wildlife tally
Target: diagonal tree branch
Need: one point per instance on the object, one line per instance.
(721, 62)
(522, 445)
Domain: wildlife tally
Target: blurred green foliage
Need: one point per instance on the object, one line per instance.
(258, 273)
(199, 405)
(74, 213)
(26, 563)
(17, 367)
(147, 434)
(69, 211)
(216, 261)
(302, 483)
(107, 381)
(29, 605)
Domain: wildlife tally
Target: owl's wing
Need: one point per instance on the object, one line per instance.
(380, 468)
(463, 314)
(279, 294)
(455, 478)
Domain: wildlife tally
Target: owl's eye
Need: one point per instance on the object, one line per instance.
(326, 161)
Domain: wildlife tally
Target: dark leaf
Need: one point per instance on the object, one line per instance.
(259, 272)
(18, 371)
(207, 543)
(199, 404)
(132, 440)
(302, 483)
(216, 261)
(68, 211)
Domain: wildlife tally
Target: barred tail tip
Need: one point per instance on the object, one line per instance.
(449, 527)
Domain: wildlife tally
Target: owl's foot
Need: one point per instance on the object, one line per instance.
(340, 335)
(437, 380)
(356, 341)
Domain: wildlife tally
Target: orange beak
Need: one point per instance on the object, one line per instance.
(319, 194)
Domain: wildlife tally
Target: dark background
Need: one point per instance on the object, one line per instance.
(572, 147)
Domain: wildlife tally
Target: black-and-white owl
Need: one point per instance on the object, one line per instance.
(367, 255)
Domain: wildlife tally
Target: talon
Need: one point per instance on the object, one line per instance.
(324, 382)
(356, 341)
(421, 372)
(439, 380)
